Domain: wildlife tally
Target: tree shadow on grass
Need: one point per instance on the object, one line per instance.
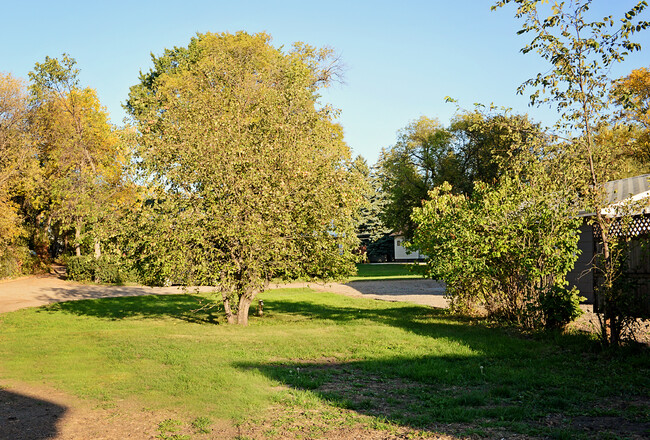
(375, 389)
(456, 399)
(26, 418)
(421, 320)
(185, 307)
(502, 382)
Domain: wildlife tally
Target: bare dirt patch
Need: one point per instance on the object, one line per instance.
(31, 412)
(588, 323)
(418, 291)
(634, 427)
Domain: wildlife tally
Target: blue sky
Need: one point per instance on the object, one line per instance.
(402, 58)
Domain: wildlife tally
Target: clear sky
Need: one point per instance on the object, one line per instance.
(402, 58)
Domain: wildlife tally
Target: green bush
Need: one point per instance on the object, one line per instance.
(80, 268)
(106, 269)
(500, 247)
(16, 261)
(560, 306)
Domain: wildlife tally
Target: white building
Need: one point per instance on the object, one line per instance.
(403, 254)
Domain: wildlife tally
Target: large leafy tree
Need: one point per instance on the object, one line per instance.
(250, 176)
(79, 152)
(489, 142)
(581, 51)
(16, 162)
(480, 145)
(421, 158)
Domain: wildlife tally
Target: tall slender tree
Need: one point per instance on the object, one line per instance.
(80, 156)
(581, 51)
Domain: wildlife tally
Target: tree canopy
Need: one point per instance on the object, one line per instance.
(81, 158)
(421, 158)
(249, 173)
(632, 93)
(479, 145)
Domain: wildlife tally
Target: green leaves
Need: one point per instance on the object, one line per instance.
(582, 50)
(255, 176)
(501, 247)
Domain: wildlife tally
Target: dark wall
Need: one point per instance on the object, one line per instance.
(581, 276)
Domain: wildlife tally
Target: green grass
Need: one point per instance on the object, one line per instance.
(395, 271)
(318, 362)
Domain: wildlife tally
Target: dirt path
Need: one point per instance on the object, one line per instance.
(418, 291)
(46, 289)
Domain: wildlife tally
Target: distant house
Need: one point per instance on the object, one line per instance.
(618, 193)
(403, 254)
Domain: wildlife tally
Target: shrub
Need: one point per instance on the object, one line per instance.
(80, 268)
(559, 306)
(106, 269)
(498, 249)
(18, 260)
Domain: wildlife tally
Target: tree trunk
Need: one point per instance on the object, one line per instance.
(98, 251)
(53, 244)
(244, 306)
(77, 240)
(614, 330)
(228, 310)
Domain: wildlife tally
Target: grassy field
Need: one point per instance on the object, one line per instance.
(319, 365)
(394, 271)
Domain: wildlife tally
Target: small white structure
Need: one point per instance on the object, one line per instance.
(403, 254)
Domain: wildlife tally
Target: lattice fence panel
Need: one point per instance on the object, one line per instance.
(640, 225)
(637, 259)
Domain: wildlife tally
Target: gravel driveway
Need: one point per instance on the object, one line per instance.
(46, 289)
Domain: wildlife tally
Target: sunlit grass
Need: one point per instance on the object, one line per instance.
(353, 360)
(389, 271)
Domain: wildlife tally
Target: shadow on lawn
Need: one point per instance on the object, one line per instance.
(383, 390)
(505, 383)
(183, 307)
(466, 403)
(509, 384)
(26, 418)
(409, 317)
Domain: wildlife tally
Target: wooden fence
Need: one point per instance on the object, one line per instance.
(637, 261)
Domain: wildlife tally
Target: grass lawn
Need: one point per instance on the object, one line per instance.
(320, 365)
(392, 271)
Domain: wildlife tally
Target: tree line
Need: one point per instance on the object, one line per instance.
(63, 167)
